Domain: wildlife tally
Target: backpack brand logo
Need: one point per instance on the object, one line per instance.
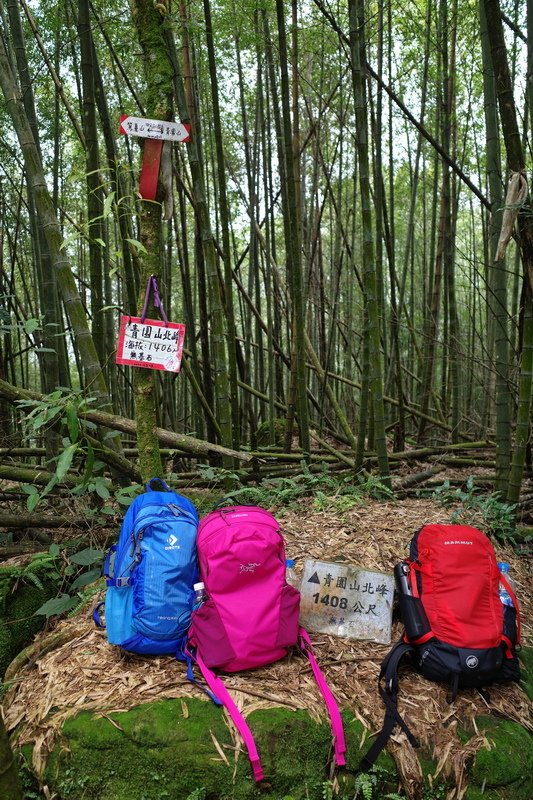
(457, 541)
(250, 567)
(172, 543)
(472, 662)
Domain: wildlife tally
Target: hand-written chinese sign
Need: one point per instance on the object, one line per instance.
(151, 343)
(155, 129)
(346, 601)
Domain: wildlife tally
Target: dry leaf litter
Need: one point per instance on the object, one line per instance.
(85, 673)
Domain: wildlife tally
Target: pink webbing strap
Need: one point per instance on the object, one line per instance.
(335, 718)
(218, 688)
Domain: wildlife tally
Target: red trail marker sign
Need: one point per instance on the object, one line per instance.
(155, 131)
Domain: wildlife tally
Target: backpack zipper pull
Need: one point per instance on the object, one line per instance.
(137, 551)
(180, 512)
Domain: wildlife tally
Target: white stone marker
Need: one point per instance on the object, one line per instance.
(347, 601)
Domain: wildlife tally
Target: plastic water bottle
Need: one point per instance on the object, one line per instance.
(199, 594)
(290, 575)
(505, 597)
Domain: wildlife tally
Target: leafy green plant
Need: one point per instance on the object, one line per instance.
(29, 783)
(62, 408)
(197, 794)
(327, 790)
(63, 567)
(218, 476)
(330, 491)
(477, 508)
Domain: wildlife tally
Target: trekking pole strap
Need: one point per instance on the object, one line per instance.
(335, 718)
(389, 695)
(218, 688)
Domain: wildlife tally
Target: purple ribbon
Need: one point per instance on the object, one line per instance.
(158, 303)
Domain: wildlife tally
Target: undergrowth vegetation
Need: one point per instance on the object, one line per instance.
(472, 506)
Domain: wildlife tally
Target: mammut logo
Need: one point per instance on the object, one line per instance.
(172, 543)
(457, 541)
(248, 567)
(472, 662)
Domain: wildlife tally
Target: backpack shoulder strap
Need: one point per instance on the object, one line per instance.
(389, 695)
(335, 718)
(217, 687)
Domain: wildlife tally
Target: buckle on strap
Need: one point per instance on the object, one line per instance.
(119, 583)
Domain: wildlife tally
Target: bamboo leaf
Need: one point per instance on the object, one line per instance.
(108, 204)
(64, 462)
(72, 422)
(32, 501)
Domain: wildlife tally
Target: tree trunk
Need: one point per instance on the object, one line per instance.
(524, 223)
(92, 372)
(357, 52)
(293, 242)
(497, 269)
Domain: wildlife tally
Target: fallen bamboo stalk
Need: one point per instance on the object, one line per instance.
(116, 422)
(19, 520)
(414, 480)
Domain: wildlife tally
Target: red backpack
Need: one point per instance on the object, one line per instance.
(456, 628)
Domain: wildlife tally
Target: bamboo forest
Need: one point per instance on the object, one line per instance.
(275, 255)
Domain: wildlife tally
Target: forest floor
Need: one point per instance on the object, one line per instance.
(84, 672)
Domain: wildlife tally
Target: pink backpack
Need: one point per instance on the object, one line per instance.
(250, 615)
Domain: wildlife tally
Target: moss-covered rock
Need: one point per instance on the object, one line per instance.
(506, 770)
(22, 591)
(167, 749)
(263, 433)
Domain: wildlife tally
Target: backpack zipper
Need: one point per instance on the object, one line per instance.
(218, 529)
(176, 511)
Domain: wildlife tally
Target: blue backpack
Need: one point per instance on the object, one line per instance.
(150, 574)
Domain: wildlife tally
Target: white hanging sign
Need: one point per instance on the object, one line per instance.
(150, 343)
(346, 601)
(155, 129)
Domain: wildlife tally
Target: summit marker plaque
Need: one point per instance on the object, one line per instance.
(347, 601)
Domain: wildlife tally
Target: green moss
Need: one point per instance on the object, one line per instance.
(22, 592)
(508, 765)
(154, 751)
(263, 433)
(476, 793)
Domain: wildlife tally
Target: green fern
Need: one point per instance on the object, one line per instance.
(33, 578)
(85, 597)
(196, 794)
(327, 790)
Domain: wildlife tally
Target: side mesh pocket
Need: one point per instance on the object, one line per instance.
(209, 635)
(414, 617)
(289, 613)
